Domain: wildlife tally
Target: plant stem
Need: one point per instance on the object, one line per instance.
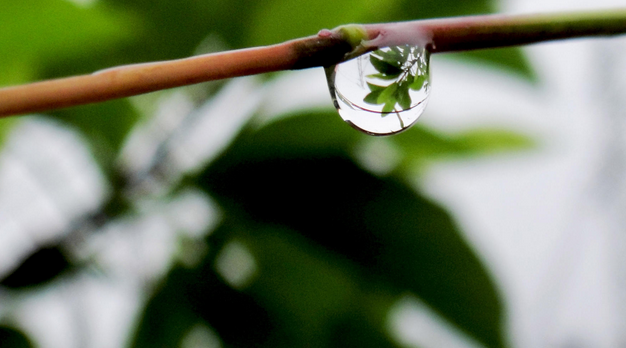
(477, 32)
(325, 49)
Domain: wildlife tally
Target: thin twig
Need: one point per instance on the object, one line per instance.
(324, 49)
(470, 33)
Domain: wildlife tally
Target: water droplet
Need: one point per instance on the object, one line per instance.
(382, 92)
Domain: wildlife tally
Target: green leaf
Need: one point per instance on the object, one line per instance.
(384, 76)
(6, 125)
(274, 21)
(387, 95)
(315, 296)
(372, 97)
(367, 324)
(408, 80)
(418, 82)
(392, 57)
(420, 9)
(421, 145)
(35, 32)
(490, 140)
(167, 316)
(403, 97)
(375, 88)
(190, 296)
(300, 296)
(388, 232)
(385, 67)
(175, 29)
(300, 138)
(510, 59)
(389, 107)
(164, 30)
(306, 290)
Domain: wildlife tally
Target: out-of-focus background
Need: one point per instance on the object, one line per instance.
(245, 213)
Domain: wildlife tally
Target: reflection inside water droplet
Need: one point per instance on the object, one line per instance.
(382, 92)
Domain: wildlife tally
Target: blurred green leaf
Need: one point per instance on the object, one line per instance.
(366, 324)
(420, 144)
(421, 9)
(379, 224)
(13, 338)
(168, 314)
(308, 134)
(38, 31)
(510, 59)
(306, 291)
(16, 72)
(313, 295)
(174, 29)
(280, 20)
(189, 296)
(491, 140)
(298, 298)
(6, 124)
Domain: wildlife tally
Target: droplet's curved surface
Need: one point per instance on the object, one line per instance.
(382, 92)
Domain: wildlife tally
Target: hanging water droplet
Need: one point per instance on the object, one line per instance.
(382, 92)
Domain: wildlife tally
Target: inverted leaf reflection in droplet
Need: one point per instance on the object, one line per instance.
(382, 92)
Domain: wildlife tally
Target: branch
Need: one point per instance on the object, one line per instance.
(326, 48)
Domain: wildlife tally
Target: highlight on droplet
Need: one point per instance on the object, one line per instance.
(382, 92)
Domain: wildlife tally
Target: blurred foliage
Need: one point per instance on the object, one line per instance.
(334, 246)
(37, 33)
(6, 125)
(421, 145)
(307, 17)
(385, 232)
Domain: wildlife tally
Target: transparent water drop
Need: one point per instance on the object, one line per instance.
(382, 92)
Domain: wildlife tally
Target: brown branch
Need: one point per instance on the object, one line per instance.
(129, 80)
(324, 49)
(472, 33)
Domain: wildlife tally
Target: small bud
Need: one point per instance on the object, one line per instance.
(354, 34)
